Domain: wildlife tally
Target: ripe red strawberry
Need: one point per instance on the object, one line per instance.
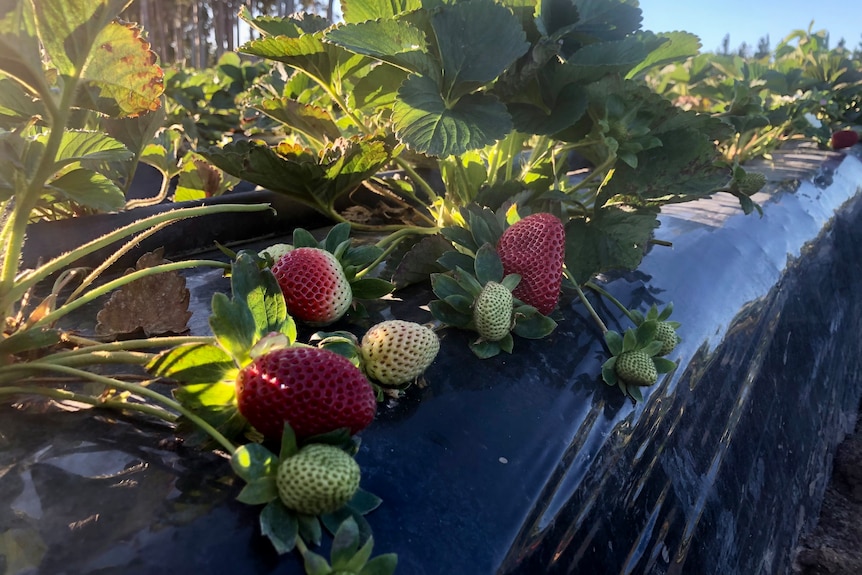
(315, 288)
(534, 248)
(314, 390)
(844, 139)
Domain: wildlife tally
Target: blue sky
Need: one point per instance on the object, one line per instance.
(749, 20)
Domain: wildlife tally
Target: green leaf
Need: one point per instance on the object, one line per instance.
(680, 46)
(371, 288)
(233, 326)
(461, 236)
(253, 461)
(77, 146)
(91, 189)
(220, 394)
(362, 10)
(482, 23)
(313, 121)
(193, 363)
(447, 314)
(453, 259)
(557, 112)
(615, 239)
(259, 291)
(397, 42)
(488, 266)
(614, 341)
(279, 525)
(28, 340)
(20, 52)
(426, 123)
(258, 491)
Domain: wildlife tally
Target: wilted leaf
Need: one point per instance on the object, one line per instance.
(156, 304)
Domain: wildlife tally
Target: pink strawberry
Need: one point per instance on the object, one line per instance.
(844, 139)
(314, 390)
(315, 288)
(534, 248)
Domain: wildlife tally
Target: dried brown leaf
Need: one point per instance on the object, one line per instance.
(157, 304)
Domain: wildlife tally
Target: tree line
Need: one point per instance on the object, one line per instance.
(197, 32)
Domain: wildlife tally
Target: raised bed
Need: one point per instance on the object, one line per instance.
(529, 463)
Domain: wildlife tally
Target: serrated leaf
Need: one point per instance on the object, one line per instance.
(253, 461)
(562, 111)
(20, 52)
(260, 292)
(78, 146)
(488, 265)
(371, 288)
(614, 341)
(197, 396)
(193, 363)
(481, 23)
(453, 259)
(313, 121)
(679, 46)
(485, 349)
(615, 240)
(481, 231)
(426, 123)
(396, 42)
(279, 525)
(362, 10)
(28, 340)
(89, 188)
(258, 491)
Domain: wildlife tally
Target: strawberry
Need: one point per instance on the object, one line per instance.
(318, 479)
(636, 368)
(844, 139)
(314, 390)
(492, 311)
(534, 248)
(396, 352)
(666, 334)
(315, 288)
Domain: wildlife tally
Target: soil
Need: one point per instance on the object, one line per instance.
(834, 546)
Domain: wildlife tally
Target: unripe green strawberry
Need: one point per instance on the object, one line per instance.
(751, 183)
(318, 479)
(492, 312)
(315, 288)
(636, 368)
(396, 352)
(666, 334)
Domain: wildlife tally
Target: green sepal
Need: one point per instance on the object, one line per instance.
(635, 393)
(371, 288)
(488, 265)
(280, 526)
(530, 324)
(302, 238)
(340, 438)
(335, 239)
(663, 365)
(444, 285)
(332, 521)
(453, 259)
(511, 281)
(343, 343)
(364, 502)
(315, 564)
(345, 544)
(447, 314)
(461, 236)
(507, 344)
(253, 461)
(360, 256)
(614, 342)
(259, 491)
(468, 282)
(356, 561)
(381, 565)
(309, 528)
(645, 333)
(652, 348)
(485, 349)
(462, 304)
(289, 446)
(481, 231)
(609, 373)
(630, 340)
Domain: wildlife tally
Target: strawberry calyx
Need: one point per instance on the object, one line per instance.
(635, 360)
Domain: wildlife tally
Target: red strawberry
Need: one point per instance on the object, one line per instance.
(534, 248)
(315, 288)
(314, 390)
(844, 139)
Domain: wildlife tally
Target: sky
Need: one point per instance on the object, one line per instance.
(749, 20)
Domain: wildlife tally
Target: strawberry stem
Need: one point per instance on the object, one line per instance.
(586, 302)
(65, 395)
(605, 294)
